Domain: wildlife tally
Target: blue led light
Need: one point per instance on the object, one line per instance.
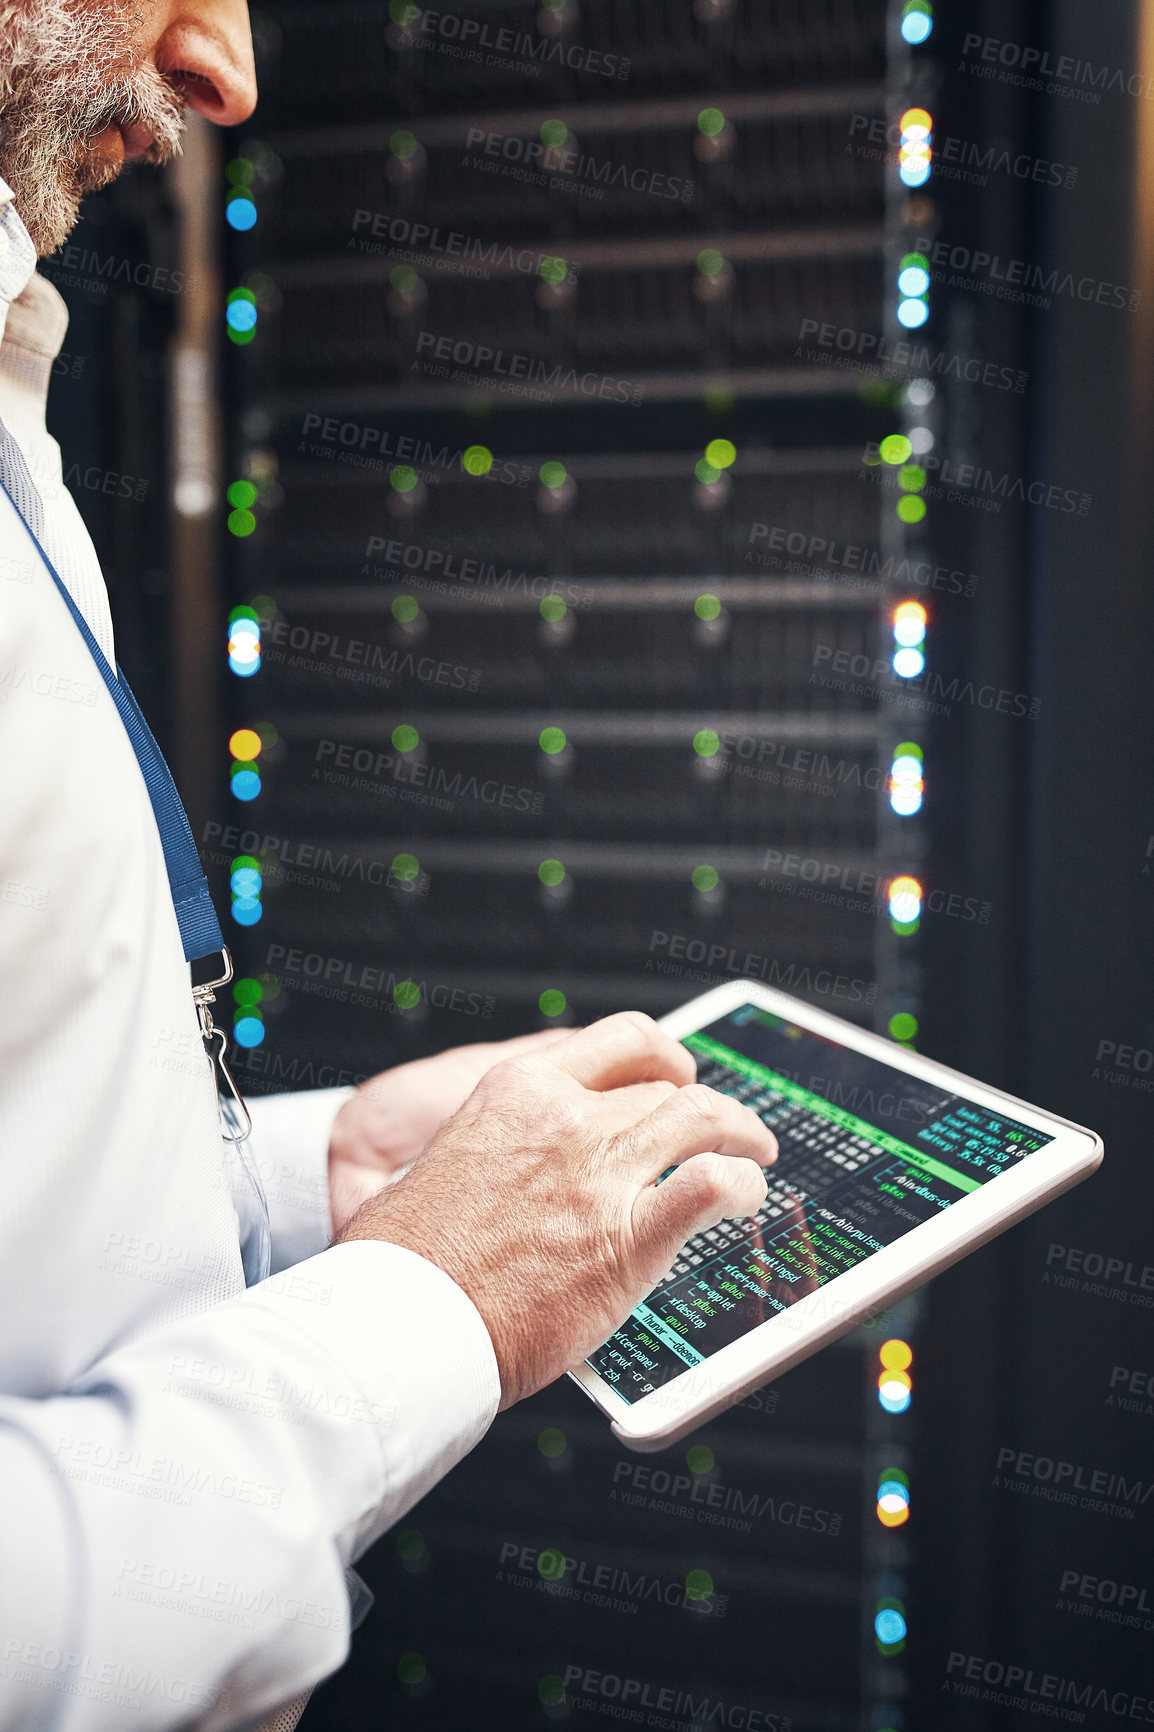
(914, 280)
(912, 313)
(246, 910)
(908, 663)
(245, 882)
(893, 1488)
(906, 801)
(916, 28)
(241, 315)
(915, 171)
(890, 1627)
(240, 213)
(246, 785)
(248, 1031)
(245, 669)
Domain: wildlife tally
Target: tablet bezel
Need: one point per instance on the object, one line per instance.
(771, 1348)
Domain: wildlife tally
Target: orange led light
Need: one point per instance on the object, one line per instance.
(895, 1354)
(245, 744)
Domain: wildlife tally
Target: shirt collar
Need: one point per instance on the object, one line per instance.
(33, 314)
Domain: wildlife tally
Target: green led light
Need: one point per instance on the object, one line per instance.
(477, 460)
(905, 928)
(405, 738)
(410, 1545)
(411, 1669)
(242, 863)
(710, 121)
(551, 1002)
(700, 1458)
(707, 607)
(551, 1691)
(404, 279)
(406, 994)
(551, 1442)
(710, 261)
(706, 473)
(240, 171)
(247, 992)
(241, 523)
(551, 1564)
(242, 494)
(552, 740)
(895, 449)
(553, 134)
(241, 338)
(903, 1026)
(551, 872)
(907, 749)
(705, 878)
(553, 608)
(403, 145)
(405, 868)
(720, 453)
(698, 1585)
(554, 270)
(403, 478)
(405, 608)
(914, 261)
(243, 612)
(911, 478)
(403, 12)
(911, 509)
(235, 295)
(706, 743)
(271, 986)
(553, 475)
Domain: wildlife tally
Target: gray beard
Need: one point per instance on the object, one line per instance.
(67, 71)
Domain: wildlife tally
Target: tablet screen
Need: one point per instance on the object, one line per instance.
(865, 1154)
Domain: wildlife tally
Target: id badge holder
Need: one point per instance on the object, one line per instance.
(249, 1201)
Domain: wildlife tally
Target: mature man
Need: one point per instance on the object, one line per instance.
(174, 1445)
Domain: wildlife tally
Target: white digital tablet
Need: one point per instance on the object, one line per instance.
(890, 1167)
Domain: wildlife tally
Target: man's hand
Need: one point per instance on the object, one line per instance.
(386, 1124)
(538, 1196)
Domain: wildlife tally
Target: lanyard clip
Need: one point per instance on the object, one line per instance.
(235, 1122)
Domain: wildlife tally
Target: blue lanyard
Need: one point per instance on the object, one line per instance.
(195, 915)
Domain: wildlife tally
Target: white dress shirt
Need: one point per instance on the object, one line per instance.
(187, 1468)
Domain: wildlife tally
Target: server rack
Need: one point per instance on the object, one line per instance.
(532, 719)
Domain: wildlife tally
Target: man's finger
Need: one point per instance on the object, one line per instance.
(693, 1121)
(706, 1189)
(617, 1109)
(621, 1049)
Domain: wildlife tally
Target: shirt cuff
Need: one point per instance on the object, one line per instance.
(291, 1148)
(414, 1347)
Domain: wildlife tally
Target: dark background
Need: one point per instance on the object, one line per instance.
(1041, 821)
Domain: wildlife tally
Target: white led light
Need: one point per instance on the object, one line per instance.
(912, 313)
(908, 663)
(921, 440)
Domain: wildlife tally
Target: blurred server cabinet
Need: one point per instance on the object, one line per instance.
(542, 473)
